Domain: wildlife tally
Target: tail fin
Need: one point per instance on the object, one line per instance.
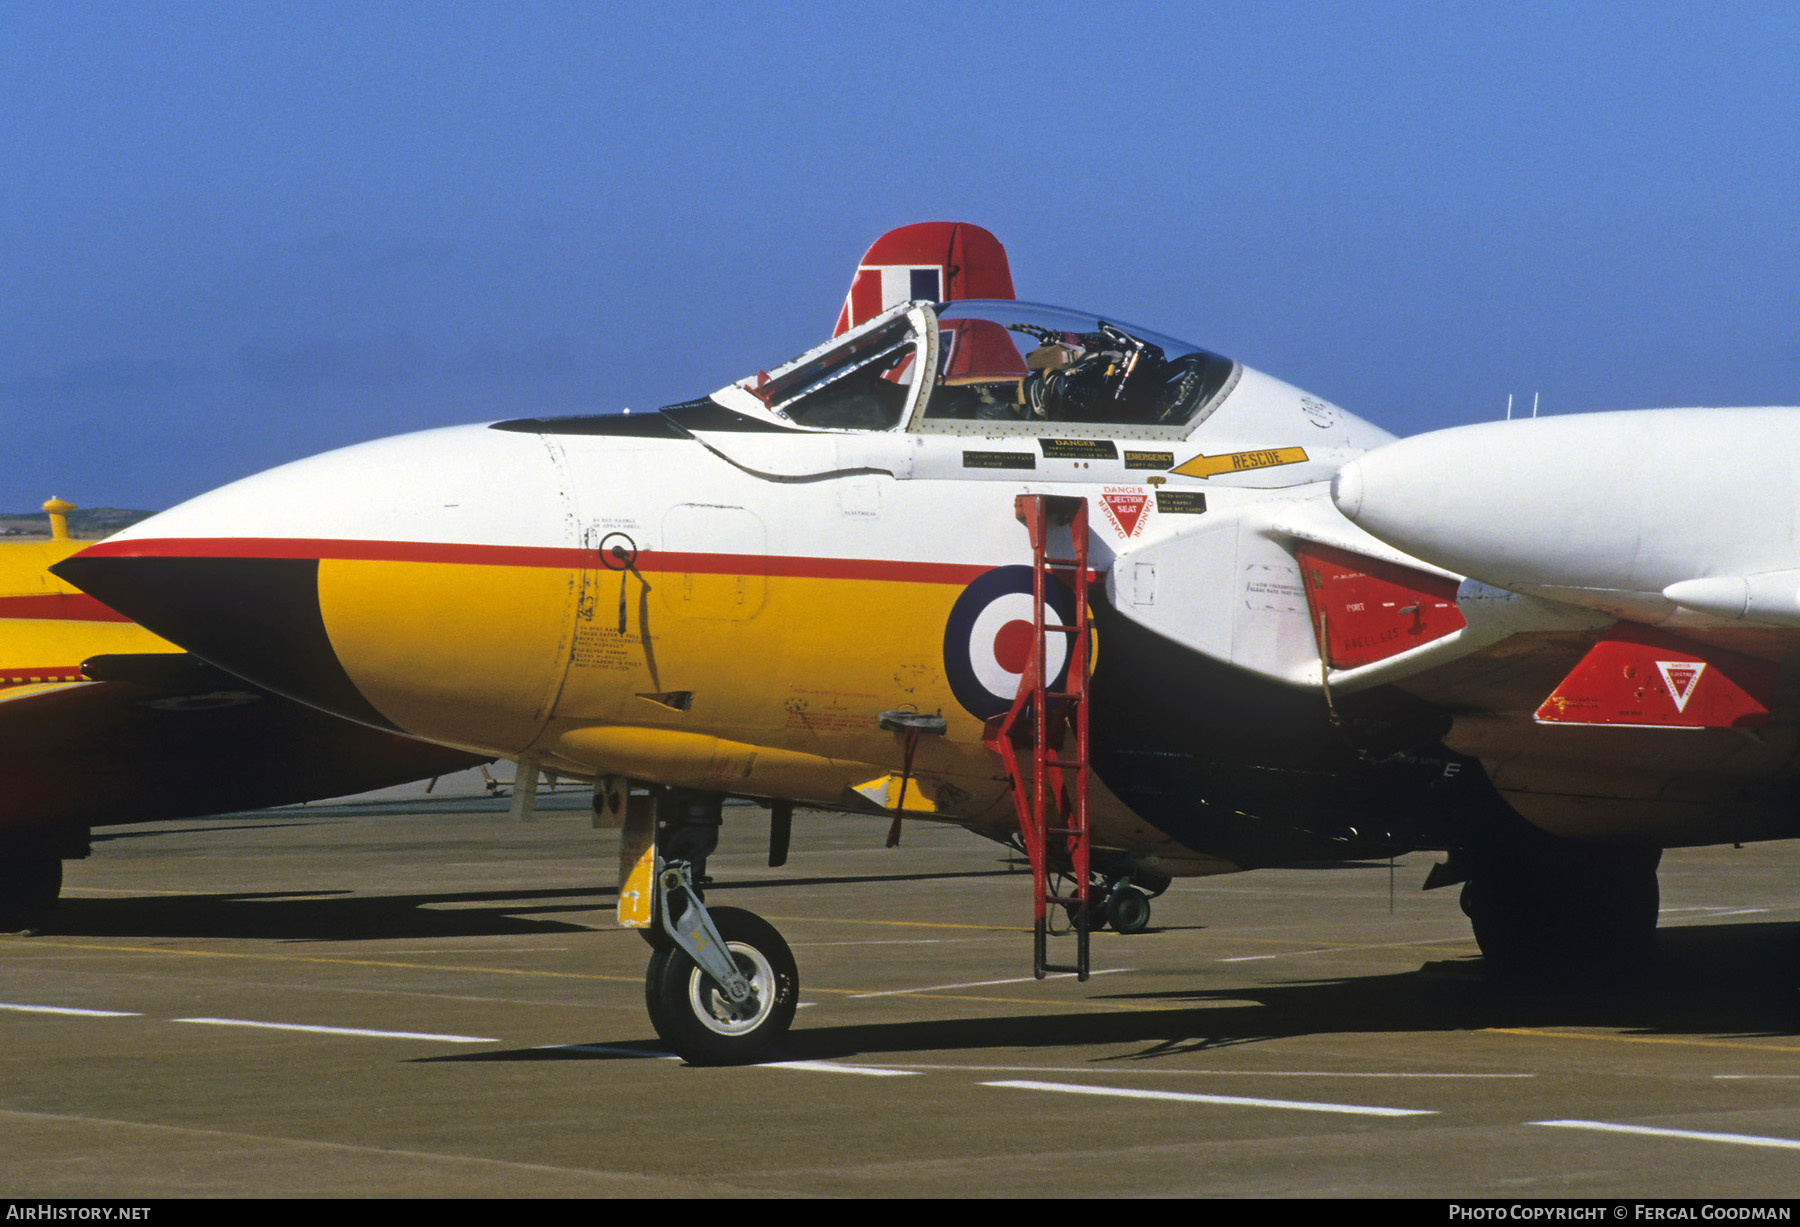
(934, 261)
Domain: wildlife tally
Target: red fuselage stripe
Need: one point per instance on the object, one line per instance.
(58, 607)
(538, 556)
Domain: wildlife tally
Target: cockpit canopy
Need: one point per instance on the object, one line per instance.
(999, 367)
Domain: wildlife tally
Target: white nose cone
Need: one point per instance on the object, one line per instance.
(1469, 499)
(1347, 489)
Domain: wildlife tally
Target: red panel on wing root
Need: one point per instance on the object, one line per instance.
(1365, 610)
(1643, 677)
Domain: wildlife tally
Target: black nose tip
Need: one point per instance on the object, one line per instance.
(256, 617)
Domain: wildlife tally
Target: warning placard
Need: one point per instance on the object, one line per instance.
(1125, 508)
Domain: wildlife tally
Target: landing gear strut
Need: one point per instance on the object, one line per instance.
(722, 986)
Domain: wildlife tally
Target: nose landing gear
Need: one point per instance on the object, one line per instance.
(697, 1017)
(721, 987)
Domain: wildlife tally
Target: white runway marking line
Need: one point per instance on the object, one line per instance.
(1230, 1101)
(1201, 1073)
(832, 1067)
(1292, 954)
(68, 1009)
(1717, 909)
(1691, 1135)
(896, 941)
(817, 1067)
(938, 988)
(470, 950)
(361, 1032)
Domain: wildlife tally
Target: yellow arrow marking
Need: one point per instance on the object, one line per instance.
(1237, 462)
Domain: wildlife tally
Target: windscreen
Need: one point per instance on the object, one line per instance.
(861, 384)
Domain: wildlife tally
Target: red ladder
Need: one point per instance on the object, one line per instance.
(1059, 785)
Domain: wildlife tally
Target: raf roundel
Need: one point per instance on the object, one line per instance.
(987, 639)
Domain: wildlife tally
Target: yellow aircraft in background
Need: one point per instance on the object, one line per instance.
(102, 722)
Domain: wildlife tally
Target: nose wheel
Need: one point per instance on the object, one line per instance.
(695, 1015)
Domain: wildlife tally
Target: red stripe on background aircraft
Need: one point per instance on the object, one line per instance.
(1313, 641)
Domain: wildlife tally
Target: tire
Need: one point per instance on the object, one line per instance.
(687, 1009)
(1128, 911)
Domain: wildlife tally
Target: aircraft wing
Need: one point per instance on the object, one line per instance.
(1674, 713)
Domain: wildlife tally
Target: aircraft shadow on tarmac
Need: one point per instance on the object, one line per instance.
(1738, 980)
(347, 915)
(328, 915)
(206, 828)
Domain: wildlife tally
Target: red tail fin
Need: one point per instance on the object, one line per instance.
(935, 261)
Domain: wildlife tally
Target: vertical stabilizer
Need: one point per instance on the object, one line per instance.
(932, 261)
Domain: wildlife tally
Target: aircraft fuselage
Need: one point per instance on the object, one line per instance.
(711, 598)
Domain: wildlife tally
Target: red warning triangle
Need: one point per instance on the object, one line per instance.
(1125, 509)
(1681, 676)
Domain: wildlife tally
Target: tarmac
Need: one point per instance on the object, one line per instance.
(418, 995)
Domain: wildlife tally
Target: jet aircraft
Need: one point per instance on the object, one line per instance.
(102, 722)
(1053, 576)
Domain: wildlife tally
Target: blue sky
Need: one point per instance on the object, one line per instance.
(232, 235)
